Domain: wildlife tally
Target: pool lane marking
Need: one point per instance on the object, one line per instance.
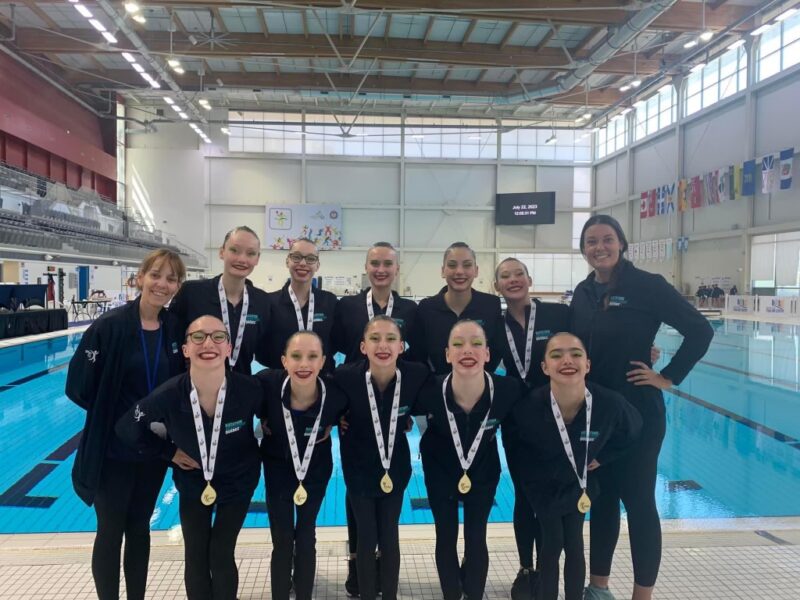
(785, 382)
(64, 450)
(28, 378)
(760, 428)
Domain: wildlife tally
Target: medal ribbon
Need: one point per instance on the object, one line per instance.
(208, 456)
(223, 306)
(473, 450)
(385, 453)
(562, 429)
(523, 369)
(298, 311)
(389, 305)
(301, 468)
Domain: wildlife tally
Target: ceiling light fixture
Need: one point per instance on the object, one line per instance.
(664, 88)
(139, 18)
(625, 87)
(169, 100)
(179, 70)
(625, 111)
(138, 68)
(225, 130)
(177, 108)
(183, 116)
(129, 57)
(85, 12)
(174, 62)
(97, 25)
(706, 35)
(690, 44)
(109, 37)
(636, 83)
(551, 140)
(131, 7)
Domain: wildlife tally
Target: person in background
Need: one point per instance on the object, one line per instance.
(300, 306)
(208, 417)
(734, 291)
(617, 311)
(123, 356)
(352, 315)
(230, 296)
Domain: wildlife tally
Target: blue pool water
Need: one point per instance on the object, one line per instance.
(732, 447)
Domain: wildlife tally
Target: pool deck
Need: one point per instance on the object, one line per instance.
(705, 560)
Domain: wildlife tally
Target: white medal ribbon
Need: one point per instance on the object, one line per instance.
(208, 456)
(301, 468)
(298, 311)
(473, 450)
(562, 429)
(223, 306)
(529, 331)
(385, 453)
(389, 305)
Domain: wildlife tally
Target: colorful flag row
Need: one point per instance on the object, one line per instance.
(654, 250)
(720, 185)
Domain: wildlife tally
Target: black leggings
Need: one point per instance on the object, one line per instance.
(210, 567)
(377, 520)
(124, 503)
(477, 506)
(352, 527)
(632, 479)
(562, 532)
(293, 540)
(526, 529)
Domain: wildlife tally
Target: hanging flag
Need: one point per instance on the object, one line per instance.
(737, 181)
(697, 192)
(660, 207)
(682, 203)
(731, 187)
(651, 203)
(668, 192)
(722, 185)
(749, 178)
(767, 174)
(712, 193)
(643, 205)
(786, 168)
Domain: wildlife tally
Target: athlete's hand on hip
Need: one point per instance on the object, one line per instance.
(184, 461)
(644, 375)
(325, 435)
(593, 465)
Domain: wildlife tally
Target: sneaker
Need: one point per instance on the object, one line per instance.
(522, 588)
(592, 592)
(351, 583)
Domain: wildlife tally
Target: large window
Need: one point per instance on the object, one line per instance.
(775, 262)
(522, 143)
(613, 136)
(655, 113)
(429, 137)
(720, 78)
(779, 47)
(554, 272)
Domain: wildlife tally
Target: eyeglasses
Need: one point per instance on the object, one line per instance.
(199, 337)
(297, 258)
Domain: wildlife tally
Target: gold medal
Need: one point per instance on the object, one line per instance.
(300, 495)
(209, 495)
(386, 483)
(464, 484)
(584, 504)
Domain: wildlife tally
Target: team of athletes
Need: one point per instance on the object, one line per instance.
(580, 409)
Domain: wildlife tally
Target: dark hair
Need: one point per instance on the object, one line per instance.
(298, 334)
(244, 228)
(303, 239)
(209, 316)
(611, 222)
(559, 334)
(456, 245)
(163, 255)
(462, 322)
(509, 259)
(381, 319)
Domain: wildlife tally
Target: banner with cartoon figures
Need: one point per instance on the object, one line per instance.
(321, 223)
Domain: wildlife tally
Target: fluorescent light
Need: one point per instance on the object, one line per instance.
(551, 140)
(706, 35)
(132, 7)
(474, 137)
(636, 83)
(174, 62)
(139, 18)
(578, 121)
(97, 25)
(625, 88)
(206, 106)
(177, 108)
(138, 68)
(690, 44)
(203, 101)
(169, 100)
(638, 104)
(698, 67)
(129, 57)
(736, 44)
(762, 29)
(587, 115)
(219, 82)
(84, 11)
(179, 70)
(786, 14)
(225, 130)
(109, 37)
(183, 116)
(625, 111)
(155, 85)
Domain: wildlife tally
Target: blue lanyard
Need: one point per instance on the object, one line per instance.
(152, 375)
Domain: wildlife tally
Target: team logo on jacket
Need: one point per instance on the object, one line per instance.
(233, 426)
(137, 414)
(319, 317)
(252, 319)
(542, 335)
(593, 435)
(91, 355)
(174, 347)
(617, 301)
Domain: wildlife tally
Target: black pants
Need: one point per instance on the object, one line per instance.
(562, 532)
(352, 527)
(124, 504)
(631, 479)
(477, 506)
(377, 520)
(209, 537)
(526, 529)
(293, 539)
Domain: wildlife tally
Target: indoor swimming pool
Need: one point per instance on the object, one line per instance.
(732, 447)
